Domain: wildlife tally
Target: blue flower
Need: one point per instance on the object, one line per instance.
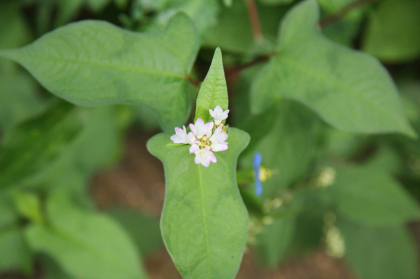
(256, 164)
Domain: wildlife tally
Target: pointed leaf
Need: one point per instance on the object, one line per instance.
(94, 62)
(204, 222)
(348, 89)
(213, 90)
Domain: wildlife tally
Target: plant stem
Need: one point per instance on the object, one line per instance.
(254, 19)
(192, 81)
(236, 70)
(339, 14)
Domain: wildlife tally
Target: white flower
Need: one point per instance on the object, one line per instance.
(204, 157)
(218, 114)
(218, 140)
(200, 129)
(218, 136)
(180, 136)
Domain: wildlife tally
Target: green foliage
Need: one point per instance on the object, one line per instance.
(204, 222)
(317, 110)
(350, 90)
(213, 90)
(143, 229)
(379, 253)
(85, 244)
(393, 34)
(274, 241)
(373, 197)
(116, 66)
(34, 144)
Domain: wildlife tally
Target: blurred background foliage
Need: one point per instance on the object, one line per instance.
(352, 194)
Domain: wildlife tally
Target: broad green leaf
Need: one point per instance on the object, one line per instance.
(202, 12)
(288, 148)
(37, 142)
(348, 89)
(93, 63)
(143, 229)
(233, 30)
(274, 241)
(85, 244)
(379, 253)
(393, 32)
(204, 222)
(373, 197)
(14, 252)
(333, 6)
(213, 90)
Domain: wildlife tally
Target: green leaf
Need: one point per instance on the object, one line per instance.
(399, 20)
(213, 90)
(85, 244)
(274, 241)
(202, 12)
(29, 206)
(34, 144)
(380, 253)
(14, 252)
(204, 222)
(143, 229)
(348, 89)
(288, 148)
(93, 62)
(373, 197)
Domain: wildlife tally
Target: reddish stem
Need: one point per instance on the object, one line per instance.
(254, 19)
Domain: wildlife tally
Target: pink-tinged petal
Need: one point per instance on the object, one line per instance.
(197, 159)
(193, 129)
(213, 158)
(211, 112)
(199, 122)
(216, 147)
(194, 148)
(205, 162)
(191, 138)
(178, 130)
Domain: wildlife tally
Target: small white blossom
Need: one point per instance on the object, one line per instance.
(204, 157)
(200, 129)
(180, 136)
(203, 139)
(218, 114)
(218, 136)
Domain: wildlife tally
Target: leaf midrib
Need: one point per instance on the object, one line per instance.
(95, 64)
(204, 219)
